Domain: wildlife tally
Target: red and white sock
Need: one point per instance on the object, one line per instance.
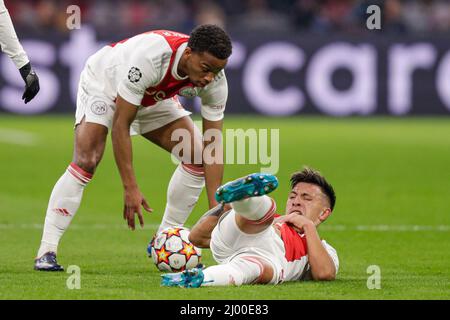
(62, 207)
(184, 189)
(256, 210)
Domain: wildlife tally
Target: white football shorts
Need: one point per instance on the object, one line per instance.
(228, 242)
(96, 107)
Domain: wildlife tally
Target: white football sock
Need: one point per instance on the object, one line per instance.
(62, 207)
(256, 210)
(184, 189)
(241, 270)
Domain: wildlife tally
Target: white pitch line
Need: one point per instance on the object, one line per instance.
(37, 226)
(386, 228)
(17, 137)
(363, 228)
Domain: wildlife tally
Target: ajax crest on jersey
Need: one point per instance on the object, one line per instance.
(172, 251)
(99, 108)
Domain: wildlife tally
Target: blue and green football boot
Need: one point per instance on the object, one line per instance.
(192, 278)
(253, 185)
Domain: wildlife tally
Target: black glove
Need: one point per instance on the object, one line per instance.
(31, 82)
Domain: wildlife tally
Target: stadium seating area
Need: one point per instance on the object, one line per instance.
(324, 16)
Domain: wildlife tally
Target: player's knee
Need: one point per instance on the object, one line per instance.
(254, 215)
(256, 270)
(197, 149)
(87, 163)
(194, 157)
(266, 273)
(197, 156)
(249, 227)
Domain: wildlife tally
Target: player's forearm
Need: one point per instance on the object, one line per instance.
(212, 158)
(200, 234)
(123, 117)
(8, 39)
(213, 180)
(322, 266)
(123, 154)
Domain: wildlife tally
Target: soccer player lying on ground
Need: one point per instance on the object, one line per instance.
(253, 246)
(132, 87)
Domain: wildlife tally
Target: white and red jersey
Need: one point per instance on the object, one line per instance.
(144, 70)
(280, 245)
(8, 39)
(295, 254)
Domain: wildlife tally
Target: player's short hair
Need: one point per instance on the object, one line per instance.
(308, 175)
(212, 39)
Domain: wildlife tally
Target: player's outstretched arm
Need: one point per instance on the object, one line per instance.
(123, 117)
(10, 44)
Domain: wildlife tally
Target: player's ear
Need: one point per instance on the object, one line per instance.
(188, 51)
(325, 214)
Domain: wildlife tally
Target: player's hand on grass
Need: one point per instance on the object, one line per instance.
(134, 199)
(31, 82)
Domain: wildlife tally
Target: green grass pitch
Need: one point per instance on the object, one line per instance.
(391, 175)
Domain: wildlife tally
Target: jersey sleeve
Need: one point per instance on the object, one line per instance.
(9, 42)
(333, 254)
(139, 74)
(307, 275)
(214, 98)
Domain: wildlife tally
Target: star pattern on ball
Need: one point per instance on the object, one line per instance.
(173, 232)
(163, 255)
(188, 250)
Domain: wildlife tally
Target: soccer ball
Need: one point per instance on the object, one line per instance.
(172, 251)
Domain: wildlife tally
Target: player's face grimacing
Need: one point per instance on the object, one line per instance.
(201, 67)
(308, 200)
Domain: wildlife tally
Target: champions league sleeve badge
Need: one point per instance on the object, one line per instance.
(134, 75)
(188, 92)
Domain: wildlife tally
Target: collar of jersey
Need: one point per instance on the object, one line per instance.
(178, 55)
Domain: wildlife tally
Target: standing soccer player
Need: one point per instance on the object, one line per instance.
(12, 47)
(132, 87)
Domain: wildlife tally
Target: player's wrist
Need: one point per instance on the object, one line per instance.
(309, 226)
(25, 71)
(130, 187)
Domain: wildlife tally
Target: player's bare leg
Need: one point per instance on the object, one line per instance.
(90, 139)
(188, 180)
